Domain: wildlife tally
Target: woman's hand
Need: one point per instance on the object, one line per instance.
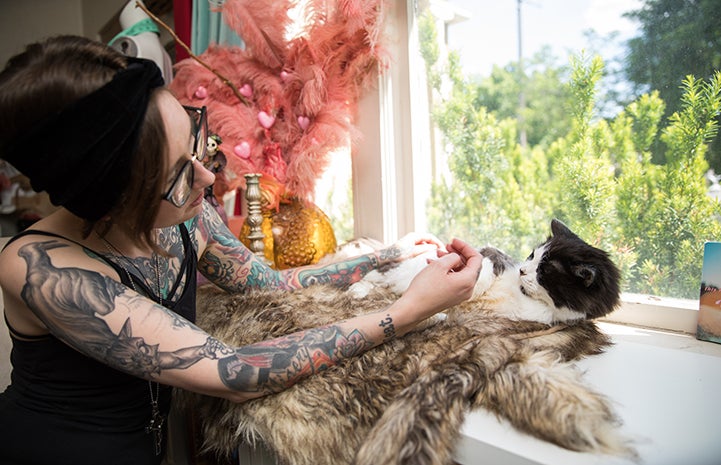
(445, 282)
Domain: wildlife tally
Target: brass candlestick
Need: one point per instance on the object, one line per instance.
(254, 220)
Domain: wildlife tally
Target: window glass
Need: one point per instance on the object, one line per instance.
(603, 114)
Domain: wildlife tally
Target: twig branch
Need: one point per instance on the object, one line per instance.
(224, 79)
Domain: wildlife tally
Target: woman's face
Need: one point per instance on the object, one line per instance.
(178, 132)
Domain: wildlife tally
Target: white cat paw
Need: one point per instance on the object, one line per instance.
(485, 278)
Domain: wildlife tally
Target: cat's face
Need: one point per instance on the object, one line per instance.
(528, 271)
(566, 272)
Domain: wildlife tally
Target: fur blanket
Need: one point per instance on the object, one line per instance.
(405, 401)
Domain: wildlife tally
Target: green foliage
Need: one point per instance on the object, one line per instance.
(342, 218)
(582, 169)
(677, 38)
(485, 198)
(546, 115)
(680, 215)
(599, 177)
(430, 52)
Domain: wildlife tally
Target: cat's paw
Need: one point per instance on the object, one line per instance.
(485, 278)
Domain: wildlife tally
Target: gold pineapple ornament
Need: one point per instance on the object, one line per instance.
(298, 234)
(302, 234)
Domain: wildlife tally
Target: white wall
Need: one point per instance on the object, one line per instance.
(26, 21)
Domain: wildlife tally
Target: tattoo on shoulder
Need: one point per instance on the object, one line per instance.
(212, 226)
(71, 302)
(169, 239)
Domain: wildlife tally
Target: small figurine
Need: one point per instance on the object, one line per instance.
(215, 162)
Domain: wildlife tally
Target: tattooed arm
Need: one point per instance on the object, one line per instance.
(94, 313)
(229, 264)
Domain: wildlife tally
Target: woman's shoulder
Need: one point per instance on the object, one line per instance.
(29, 236)
(52, 227)
(56, 246)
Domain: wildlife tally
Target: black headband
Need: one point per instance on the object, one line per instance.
(81, 155)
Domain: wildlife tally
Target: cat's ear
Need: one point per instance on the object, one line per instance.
(560, 229)
(585, 272)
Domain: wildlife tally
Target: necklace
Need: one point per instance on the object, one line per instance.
(155, 425)
(120, 258)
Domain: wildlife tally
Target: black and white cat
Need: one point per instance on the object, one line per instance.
(563, 279)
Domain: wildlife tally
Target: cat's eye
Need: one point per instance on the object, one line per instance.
(530, 257)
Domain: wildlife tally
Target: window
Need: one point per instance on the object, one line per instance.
(395, 188)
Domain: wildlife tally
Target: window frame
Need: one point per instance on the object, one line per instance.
(393, 165)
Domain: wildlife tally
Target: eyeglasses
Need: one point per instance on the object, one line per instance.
(182, 185)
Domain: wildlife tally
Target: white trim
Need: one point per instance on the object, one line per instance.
(680, 315)
(392, 164)
(390, 143)
(419, 160)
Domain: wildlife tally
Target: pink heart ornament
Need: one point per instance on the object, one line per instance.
(242, 150)
(303, 122)
(201, 92)
(266, 120)
(246, 91)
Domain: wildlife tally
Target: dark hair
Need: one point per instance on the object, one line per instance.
(139, 203)
(48, 77)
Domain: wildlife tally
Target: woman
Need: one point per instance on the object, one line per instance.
(100, 295)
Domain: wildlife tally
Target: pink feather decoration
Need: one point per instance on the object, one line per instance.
(301, 92)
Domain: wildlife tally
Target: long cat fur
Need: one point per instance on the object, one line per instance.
(404, 402)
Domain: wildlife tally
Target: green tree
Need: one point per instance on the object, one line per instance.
(599, 176)
(546, 115)
(677, 38)
(489, 194)
(581, 164)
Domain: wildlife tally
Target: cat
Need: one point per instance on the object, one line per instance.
(563, 279)
(509, 349)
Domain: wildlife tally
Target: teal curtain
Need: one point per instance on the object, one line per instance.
(209, 28)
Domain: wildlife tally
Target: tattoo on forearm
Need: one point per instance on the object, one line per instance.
(340, 274)
(390, 254)
(374, 260)
(389, 330)
(272, 366)
(71, 302)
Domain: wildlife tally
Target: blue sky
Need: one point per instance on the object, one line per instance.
(490, 36)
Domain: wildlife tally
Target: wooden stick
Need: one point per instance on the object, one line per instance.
(224, 79)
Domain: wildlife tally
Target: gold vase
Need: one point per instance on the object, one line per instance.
(297, 234)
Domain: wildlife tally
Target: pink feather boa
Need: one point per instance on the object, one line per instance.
(301, 93)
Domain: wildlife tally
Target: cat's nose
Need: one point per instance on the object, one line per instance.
(522, 271)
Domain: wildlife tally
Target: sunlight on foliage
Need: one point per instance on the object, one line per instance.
(599, 177)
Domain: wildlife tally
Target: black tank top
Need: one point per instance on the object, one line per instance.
(92, 413)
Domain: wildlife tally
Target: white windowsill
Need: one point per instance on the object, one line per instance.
(648, 311)
(665, 389)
